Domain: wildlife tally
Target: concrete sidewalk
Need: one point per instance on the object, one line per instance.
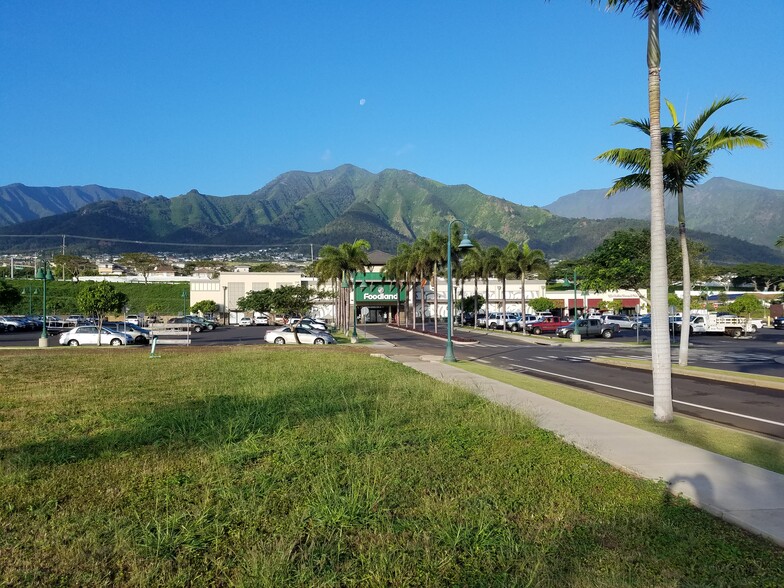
(745, 495)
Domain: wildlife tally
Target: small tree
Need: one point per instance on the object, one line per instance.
(99, 298)
(74, 266)
(745, 304)
(294, 300)
(141, 263)
(469, 303)
(257, 301)
(9, 296)
(205, 307)
(541, 304)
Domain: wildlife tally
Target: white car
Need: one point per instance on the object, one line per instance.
(88, 335)
(285, 335)
(245, 321)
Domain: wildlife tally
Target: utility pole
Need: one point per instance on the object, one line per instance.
(63, 258)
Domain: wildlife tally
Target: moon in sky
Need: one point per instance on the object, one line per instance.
(361, 101)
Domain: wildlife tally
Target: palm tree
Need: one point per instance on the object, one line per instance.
(343, 262)
(472, 267)
(436, 248)
(684, 15)
(508, 267)
(328, 269)
(686, 154)
(398, 268)
(491, 261)
(528, 261)
(421, 263)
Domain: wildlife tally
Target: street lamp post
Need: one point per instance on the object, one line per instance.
(44, 274)
(465, 243)
(184, 303)
(30, 292)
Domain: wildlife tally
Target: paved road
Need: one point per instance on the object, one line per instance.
(755, 409)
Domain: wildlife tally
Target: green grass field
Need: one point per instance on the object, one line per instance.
(319, 467)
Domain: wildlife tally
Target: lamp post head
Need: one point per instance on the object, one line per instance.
(44, 275)
(466, 242)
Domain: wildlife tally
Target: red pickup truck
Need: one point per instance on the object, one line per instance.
(549, 324)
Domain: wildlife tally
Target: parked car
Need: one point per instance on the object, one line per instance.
(622, 320)
(312, 324)
(88, 335)
(548, 324)
(590, 327)
(261, 319)
(778, 322)
(13, 323)
(140, 335)
(245, 321)
(187, 323)
(520, 323)
(284, 335)
(134, 319)
(208, 324)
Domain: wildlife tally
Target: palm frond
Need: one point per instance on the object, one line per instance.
(639, 180)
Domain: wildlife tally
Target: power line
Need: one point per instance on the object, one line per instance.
(161, 243)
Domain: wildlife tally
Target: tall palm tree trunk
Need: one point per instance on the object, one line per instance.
(435, 297)
(683, 350)
(422, 298)
(476, 298)
(522, 300)
(487, 304)
(660, 335)
(503, 318)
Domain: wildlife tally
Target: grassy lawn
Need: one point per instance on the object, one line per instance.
(320, 467)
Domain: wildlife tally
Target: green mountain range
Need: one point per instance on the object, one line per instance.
(331, 207)
(20, 203)
(720, 205)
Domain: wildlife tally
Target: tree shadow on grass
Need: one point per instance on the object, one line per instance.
(211, 421)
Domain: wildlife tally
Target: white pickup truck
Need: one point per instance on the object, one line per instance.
(710, 322)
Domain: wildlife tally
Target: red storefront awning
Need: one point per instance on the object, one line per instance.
(629, 302)
(592, 302)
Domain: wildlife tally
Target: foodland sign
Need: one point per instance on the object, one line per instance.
(380, 293)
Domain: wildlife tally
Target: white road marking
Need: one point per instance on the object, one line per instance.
(684, 403)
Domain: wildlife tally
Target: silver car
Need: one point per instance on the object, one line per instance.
(285, 335)
(88, 335)
(623, 321)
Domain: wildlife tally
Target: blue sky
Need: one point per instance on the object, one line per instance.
(513, 97)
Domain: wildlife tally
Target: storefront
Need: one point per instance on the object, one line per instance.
(378, 300)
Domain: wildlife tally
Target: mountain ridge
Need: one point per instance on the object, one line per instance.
(338, 205)
(720, 205)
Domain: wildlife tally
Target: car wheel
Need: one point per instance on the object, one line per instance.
(210, 327)
(197, 329)
(73, 343)
(607, 334)
(280, 341)
(318, 341)
(753, 328)
(515, 328)
(115, 342)
(141, 340)
(10, 328)
(537, 331)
